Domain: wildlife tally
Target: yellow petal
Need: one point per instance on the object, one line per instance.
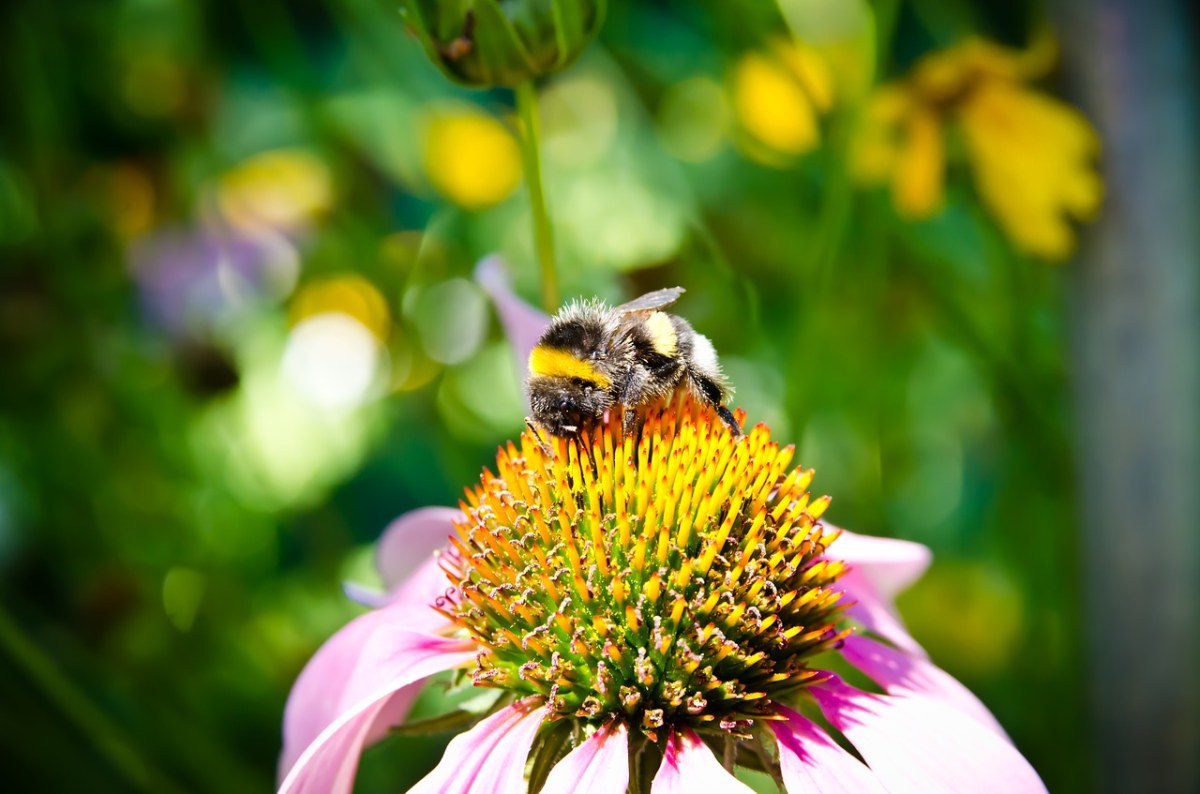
(813, 71)
(1032, 160)
(942, 75)
(917, 181)
(900, 141)
(948, 74)
(776, 99)
(876, 145)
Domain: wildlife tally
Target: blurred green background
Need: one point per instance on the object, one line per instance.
(239, 333)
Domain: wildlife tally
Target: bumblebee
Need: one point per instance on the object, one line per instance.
(593, 358)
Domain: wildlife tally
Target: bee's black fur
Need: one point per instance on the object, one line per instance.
(618, 345)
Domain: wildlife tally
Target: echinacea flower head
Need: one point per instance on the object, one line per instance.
(673, 581)
(651, 611)
(486, 43)
(1030, 155)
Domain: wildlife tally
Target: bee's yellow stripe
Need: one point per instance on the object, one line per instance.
(552, 362)
(662, 333)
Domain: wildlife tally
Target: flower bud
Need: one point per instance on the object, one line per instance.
(485, 43)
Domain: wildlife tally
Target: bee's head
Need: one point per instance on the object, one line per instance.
(569, 380)
(564, 406)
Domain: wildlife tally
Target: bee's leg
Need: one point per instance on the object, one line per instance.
(710, 392)
(537, 431)
(631, 422)
(630, 394)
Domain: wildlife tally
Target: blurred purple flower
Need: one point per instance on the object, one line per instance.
(523, 324)
(189, 278)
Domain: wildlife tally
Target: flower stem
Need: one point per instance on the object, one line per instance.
(71, 701)
(543, 236)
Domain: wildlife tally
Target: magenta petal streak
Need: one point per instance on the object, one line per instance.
(811, 761)
(488, 758)
(873, 612)
(901, 673)
(913, 743)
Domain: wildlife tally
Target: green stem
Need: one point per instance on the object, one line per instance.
(74, 704)
(886, 14)
(543, 236)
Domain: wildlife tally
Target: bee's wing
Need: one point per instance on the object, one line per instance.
(651, 301)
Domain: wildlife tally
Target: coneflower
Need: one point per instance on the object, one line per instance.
(653, 612)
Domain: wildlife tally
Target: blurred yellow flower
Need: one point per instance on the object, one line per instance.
(1031, 155)
(778, 96)
(471, 158)
(279, 189)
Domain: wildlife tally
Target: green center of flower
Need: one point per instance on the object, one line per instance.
(674, 580)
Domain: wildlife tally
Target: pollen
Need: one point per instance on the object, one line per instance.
(674, 578)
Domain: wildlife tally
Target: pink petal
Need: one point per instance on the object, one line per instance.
(918, 744)
(523, 324)
(412, 539)
(875, 613)
(390, 660)
(320, 692)
(425, 587)
(900, 673)
(811, 761)
(598, 766)
(890, 565)
(489, 757)
(689, 766)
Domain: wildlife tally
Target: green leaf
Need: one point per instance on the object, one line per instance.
(550, 749)
(451, 722)
(497, 43)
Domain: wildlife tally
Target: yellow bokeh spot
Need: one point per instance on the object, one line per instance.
(278, 189)
(348, 294)
(471, 158)
(777, 97)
